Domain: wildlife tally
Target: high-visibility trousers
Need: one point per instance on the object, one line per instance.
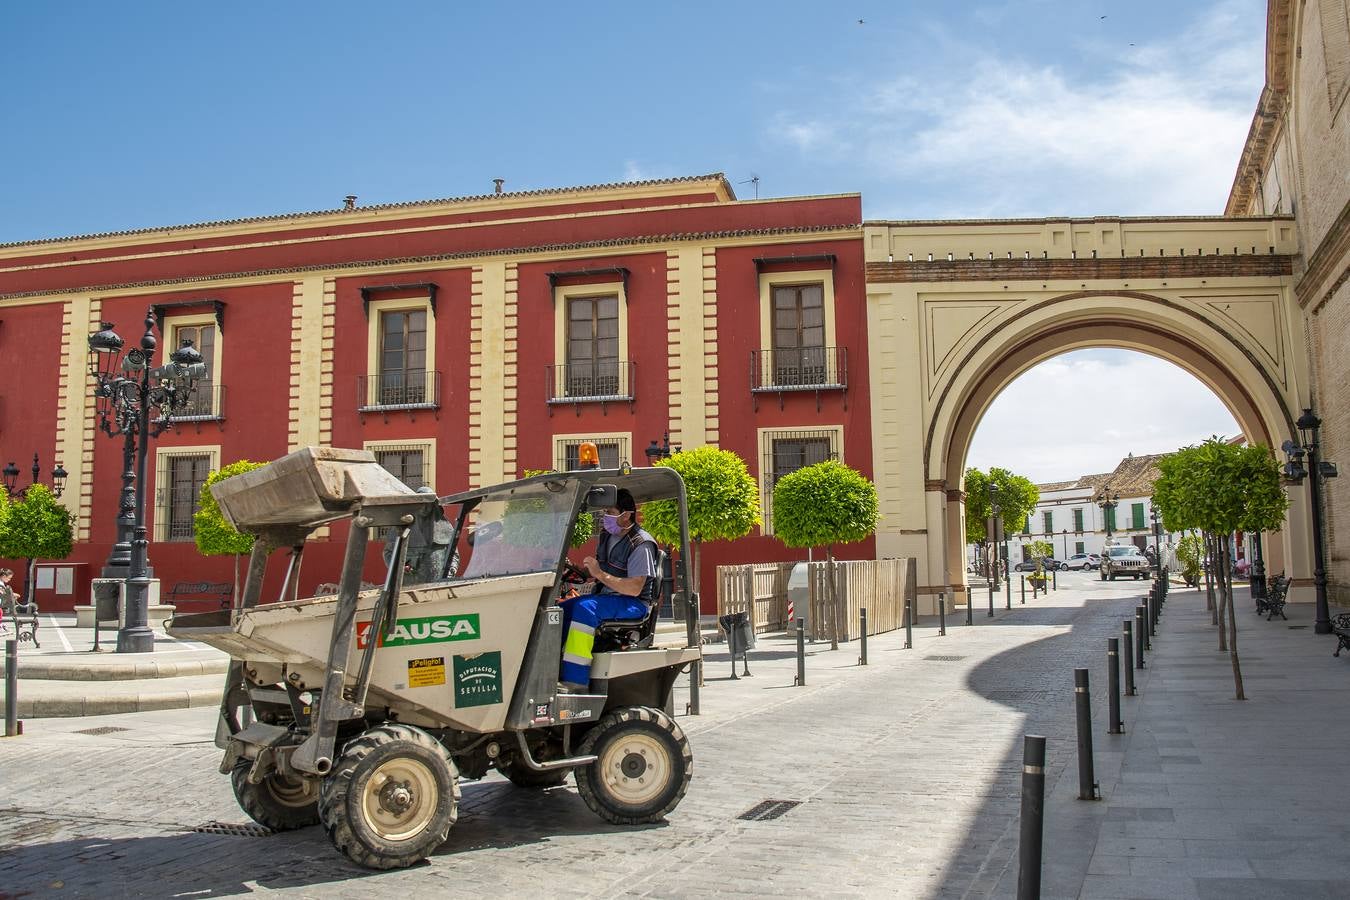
(581, 615)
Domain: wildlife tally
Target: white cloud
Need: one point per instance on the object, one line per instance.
(1049, 426)
(1155, 129)
(634, 172)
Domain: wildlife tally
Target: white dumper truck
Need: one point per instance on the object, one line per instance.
(369, 705)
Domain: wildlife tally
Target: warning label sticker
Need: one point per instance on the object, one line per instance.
(426, 672)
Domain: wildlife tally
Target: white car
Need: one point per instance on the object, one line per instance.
(1081, 561)
(1124, 562)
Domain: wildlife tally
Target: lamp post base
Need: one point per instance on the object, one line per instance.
(136, 639)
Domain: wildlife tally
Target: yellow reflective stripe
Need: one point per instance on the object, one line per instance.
(579, 644)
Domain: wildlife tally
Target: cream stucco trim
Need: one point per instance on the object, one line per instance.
(306, 362)
(163, 457)
(488, 374)
(565, 292)
(769, 280)
(766, 436)
(510, 369)
(406, 304)
(687, 395)
(711, 422)
(75, 431)
(426, 445)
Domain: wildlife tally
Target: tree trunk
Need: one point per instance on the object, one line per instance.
(29, 582)
(694, 611)
(1208, 543)
(1222, 597)
(234, 602)
(1239, 693)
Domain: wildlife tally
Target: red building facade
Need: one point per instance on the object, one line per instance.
(463, 341)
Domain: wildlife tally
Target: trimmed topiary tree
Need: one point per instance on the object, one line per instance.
(36, 527)
(722, 496)
(213, 535)
(822, 505)
(1017, 497)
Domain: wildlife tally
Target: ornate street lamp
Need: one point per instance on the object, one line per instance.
(995, 509)
(660, 451)
(1295, 471)
(11, 478)
(137, 401)
(1157, 539)
(1107, 502)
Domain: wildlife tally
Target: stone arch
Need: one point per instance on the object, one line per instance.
(1259, 398)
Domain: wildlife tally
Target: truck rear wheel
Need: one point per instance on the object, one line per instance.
(642, 768)
(278, 802)
(391, 797)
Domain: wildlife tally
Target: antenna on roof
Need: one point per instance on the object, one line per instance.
(753, 179)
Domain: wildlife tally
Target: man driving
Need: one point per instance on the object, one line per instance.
(624, 569)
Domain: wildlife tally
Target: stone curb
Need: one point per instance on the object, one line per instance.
(65, 670)
(110, 704)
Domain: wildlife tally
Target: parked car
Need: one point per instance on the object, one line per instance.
(1029, 565)
(1081, 561)
(1124, 561)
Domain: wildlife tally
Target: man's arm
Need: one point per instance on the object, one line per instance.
(630, 586)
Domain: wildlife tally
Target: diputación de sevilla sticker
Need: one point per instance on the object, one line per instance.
(426, 672)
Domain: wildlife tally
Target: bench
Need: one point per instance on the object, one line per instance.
(222, 592)
(25, 619)
(1340, 626)
(1272, 603)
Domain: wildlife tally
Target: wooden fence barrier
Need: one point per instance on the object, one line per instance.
(760, 589)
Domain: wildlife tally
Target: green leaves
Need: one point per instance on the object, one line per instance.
(583, 529)
(723, 498)
(824, 504)
(36, 527)
(1220, 488)
(215, 536)
(1017, 497)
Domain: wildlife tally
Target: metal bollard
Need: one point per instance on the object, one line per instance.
(909, 624)
(1033, 818)
(1082, 701)
(1007, 592)
(1024, 590)
(12, 688)
(942, 614)
(801, 652)
(1152, 614)
(1127, 635)
(1113, 686)
(970, 606)
(1141, 614)
(991, 601)
(1139, 632)
(1054, 578)
(731, 649)
(862, 646)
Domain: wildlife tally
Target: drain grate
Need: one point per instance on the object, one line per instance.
(1297, 627)
(944, 658)
(769, 809)
(102, 729)
(232, 830)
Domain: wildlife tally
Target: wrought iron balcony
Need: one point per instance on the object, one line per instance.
(801, 369)
(207, 404)
(591, 382)
(394, 391)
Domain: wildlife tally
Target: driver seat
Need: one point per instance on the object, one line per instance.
(634, 634)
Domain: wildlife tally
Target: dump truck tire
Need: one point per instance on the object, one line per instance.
(391, 797)
(277, 802)
(642, 769)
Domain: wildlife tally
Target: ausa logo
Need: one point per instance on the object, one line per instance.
(428, 630)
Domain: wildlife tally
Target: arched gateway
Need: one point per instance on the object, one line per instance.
(957, 310)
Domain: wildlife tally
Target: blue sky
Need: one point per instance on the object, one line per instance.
(133, 115)
(142, 114)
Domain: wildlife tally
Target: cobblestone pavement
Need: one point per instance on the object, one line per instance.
(907, 772)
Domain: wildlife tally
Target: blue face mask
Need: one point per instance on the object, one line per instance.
(611, 524)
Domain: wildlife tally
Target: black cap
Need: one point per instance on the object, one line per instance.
(625, 502)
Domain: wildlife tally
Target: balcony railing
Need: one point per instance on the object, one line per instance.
(392, 391)
(207, 404)
(600, 382)
(802, 369)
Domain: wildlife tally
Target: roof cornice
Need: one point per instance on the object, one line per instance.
(1270, 109)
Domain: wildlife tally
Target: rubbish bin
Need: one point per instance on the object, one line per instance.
(799, 594)
(740, 636)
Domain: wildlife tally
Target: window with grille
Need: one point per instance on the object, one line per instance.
(203, 337)
(1048, 521)
(404, 463)
(786, 452)
(186, 475)
(1111, 518)
(613, 452)
(1078, 521)
(798, 324)
(592, 346)
(1137, 515)
(403, 357)
(1078, 547)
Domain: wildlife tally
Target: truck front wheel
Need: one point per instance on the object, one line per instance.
(278, 802)
(391, 797)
